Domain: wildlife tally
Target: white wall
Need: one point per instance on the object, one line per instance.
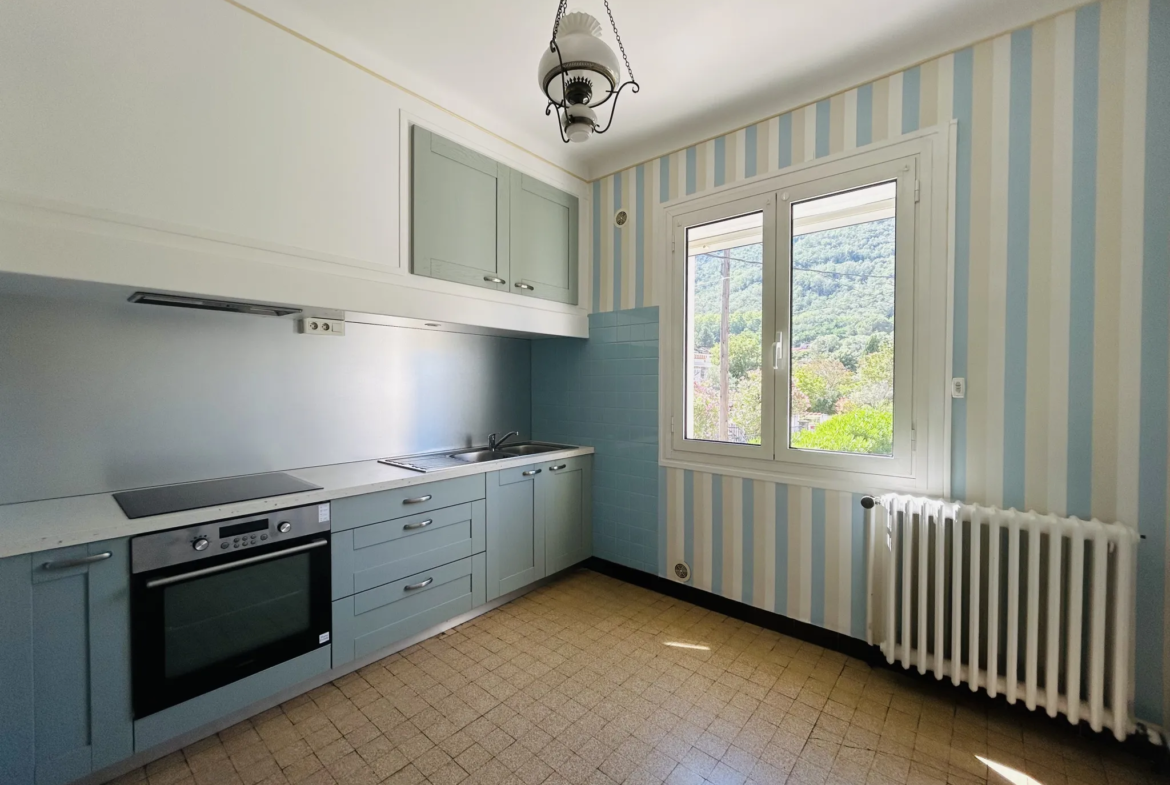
(199, 119)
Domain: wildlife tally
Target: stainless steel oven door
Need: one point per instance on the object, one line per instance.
(198, 627)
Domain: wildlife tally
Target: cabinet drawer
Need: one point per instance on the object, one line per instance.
(370, 556)
(357, 511)
(375, 619)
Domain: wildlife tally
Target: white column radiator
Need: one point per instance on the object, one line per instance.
(1030, 606)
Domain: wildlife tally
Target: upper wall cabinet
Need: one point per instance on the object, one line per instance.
(544, 240)
(460, 213)
(475, 221)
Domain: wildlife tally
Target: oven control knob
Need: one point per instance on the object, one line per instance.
(200, 544)
(283, 527)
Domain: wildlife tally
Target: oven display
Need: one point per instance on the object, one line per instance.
(247, 527)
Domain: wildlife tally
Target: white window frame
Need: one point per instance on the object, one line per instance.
(921, 460)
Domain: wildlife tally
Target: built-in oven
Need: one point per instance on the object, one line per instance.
(213, 603)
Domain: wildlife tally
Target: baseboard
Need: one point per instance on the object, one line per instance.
(1148, 742)
(810, 633)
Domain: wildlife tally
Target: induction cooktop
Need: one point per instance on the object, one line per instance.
(209, 493)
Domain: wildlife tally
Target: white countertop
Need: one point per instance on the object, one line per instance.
(73, 520)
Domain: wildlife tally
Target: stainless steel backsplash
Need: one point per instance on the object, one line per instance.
(101, 396)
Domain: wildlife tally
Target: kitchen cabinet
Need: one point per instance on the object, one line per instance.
(460, 213)
(539, 521)
(476, 221)
(65, 620)
(544, 240)
(563, 493)
(515, 530)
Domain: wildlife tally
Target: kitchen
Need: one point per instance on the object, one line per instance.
(350, 436)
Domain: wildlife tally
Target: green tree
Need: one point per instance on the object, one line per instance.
(745, 354)
(823, 379)
(865, 429)
(746, 409)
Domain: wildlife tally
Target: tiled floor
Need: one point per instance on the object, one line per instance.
(579, 682)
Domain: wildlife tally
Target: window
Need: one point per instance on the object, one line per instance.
(801, 338)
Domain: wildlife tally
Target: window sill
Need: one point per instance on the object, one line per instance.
(806, 476)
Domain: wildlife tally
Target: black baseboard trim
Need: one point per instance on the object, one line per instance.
(1141, 744)
(810, 633)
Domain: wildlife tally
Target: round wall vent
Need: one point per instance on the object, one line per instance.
(682, 571)
(620, 218)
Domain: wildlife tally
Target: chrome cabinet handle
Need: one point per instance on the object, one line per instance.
(493, 279)
(557, 468)
(530, 472)
(65, 564)
(419, 585)
(417, 525)
(527, 286)
(417, 499)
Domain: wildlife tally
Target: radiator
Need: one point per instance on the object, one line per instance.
(1032, 607)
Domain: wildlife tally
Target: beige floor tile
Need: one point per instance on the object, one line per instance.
(573, 684)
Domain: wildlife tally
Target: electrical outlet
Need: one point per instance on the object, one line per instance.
(311, 325)
(958, 387)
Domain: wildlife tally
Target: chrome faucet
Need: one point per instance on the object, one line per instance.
(495, 444)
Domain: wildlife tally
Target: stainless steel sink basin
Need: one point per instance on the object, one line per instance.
(479, 456)
(515, 450)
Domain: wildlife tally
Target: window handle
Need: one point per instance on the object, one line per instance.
(778, 350)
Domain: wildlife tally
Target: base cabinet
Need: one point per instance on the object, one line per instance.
(65, 619)
(539, 521)
(515, 531)
(563, 493)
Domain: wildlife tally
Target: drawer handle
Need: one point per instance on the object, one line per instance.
(419, 585)
(417, 499)
(557, 468)
(493, 279)
(65, 564)
(527, 286)
(418, 525)
(530, 473)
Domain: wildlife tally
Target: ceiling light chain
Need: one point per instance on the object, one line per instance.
(616, 35)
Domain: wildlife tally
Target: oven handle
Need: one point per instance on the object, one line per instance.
(172, 579)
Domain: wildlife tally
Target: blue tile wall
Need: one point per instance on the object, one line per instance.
(603, 393)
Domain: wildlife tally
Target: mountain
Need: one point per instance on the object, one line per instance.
(842, 286)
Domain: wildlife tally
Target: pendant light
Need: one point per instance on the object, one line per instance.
(580, 73)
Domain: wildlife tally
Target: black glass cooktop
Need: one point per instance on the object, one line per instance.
(210, 493)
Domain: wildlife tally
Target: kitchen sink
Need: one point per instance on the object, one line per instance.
(479, 456)
(530, 449)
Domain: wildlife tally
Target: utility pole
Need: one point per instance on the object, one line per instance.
(725, 347)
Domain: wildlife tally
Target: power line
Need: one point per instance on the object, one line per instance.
(802, 269)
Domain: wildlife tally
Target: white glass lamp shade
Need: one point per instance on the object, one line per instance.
(584, 55)
(580, 122)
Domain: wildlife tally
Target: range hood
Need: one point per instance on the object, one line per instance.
(207, 304)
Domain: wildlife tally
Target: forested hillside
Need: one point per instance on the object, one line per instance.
(842, 326)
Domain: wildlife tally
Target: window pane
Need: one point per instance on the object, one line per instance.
(842, 361)
(725, 302)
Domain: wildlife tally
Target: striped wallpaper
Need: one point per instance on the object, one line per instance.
(1062, 292)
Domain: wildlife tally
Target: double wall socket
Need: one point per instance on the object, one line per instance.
(311, 325)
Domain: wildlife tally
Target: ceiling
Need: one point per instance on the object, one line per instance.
(704, 67)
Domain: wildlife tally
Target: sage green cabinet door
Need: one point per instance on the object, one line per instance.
(563, 491)
(515, 531)
(544, 240)
(459, 203)
(66, 662)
